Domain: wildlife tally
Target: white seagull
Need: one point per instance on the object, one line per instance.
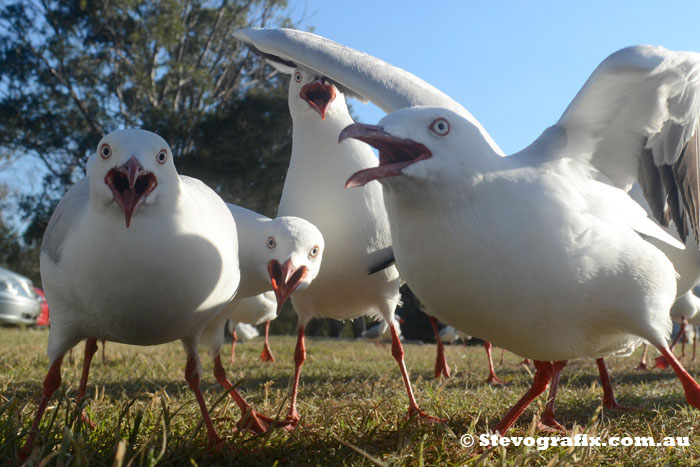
(551, 264)
(650, 134)
(261, 308)
(376, 332)
(135, 254)
(282, 255)
(362, 76)
(245, 331)
(354, 224)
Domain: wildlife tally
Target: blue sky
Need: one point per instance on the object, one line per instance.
(514, 65)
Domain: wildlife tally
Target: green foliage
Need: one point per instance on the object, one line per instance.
(71, 71)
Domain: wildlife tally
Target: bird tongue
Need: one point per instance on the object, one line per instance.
(318, 94)
(285, 279)
(395, 153)
(130, 185)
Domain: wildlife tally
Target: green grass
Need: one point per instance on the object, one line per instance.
(351, 399)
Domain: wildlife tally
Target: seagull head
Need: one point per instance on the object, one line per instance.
(316, 92)
(420, 142)
(128, 169)
(294, 252)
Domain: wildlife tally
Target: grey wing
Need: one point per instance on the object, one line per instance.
(637, 118)
(64, 218)
(382, 260)
(357, 73)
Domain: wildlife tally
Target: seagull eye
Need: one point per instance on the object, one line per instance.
(297, 77)
(314, 251)
(271, 243)
(162, 156)
(105, 151)
(440, 126)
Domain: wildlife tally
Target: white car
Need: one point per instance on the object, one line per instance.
(19, 305)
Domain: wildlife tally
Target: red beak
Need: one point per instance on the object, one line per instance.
(285, 279)
(130, 185)
(395, 154)
(318, 93)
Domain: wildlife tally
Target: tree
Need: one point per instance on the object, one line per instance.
(71, 71)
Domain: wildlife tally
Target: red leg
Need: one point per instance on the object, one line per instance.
(643, 364)
(609, 401)
(90, 349)
(192, 378)
(542, 377)
(547, 421)
(250, 419)
(691, 388)
(493, 380)
(441, 366)
(397, 352)
(661, 361)
(266, 355)
(683, 345)
(299, 357)
(51, 382)
(233, 345)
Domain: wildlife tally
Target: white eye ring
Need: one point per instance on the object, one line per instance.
(105, 151)
(162, 156)
(440, 126)
(298, 77)
(314, 251)
(271, 243)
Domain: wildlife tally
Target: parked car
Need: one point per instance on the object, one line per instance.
(18, 302)
(43, 318)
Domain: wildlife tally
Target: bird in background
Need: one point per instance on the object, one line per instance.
(354, 224)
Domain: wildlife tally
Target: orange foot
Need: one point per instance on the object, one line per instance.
(661, 362)
(416, 412)
(86, 420)
(549, 425)
(256, 423)
(494, 380)
(266, 355)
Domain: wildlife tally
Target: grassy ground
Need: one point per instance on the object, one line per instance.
(351, 399)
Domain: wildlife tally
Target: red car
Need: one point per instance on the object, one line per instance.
(43, 318)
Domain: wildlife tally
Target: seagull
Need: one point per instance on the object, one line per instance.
(354, 223)
(129, 248)
(650, 137)
(452, 335)
(376, 332)
(683, 310)
(258, 309)
(694, 322)
(245, 331)
(551, 263)
(281, 256)
(278, 256)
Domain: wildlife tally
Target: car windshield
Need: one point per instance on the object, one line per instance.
(15, 287)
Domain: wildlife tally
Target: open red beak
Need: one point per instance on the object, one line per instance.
(318, 93)
(395, 154)
(285, 279)
(130, 185)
